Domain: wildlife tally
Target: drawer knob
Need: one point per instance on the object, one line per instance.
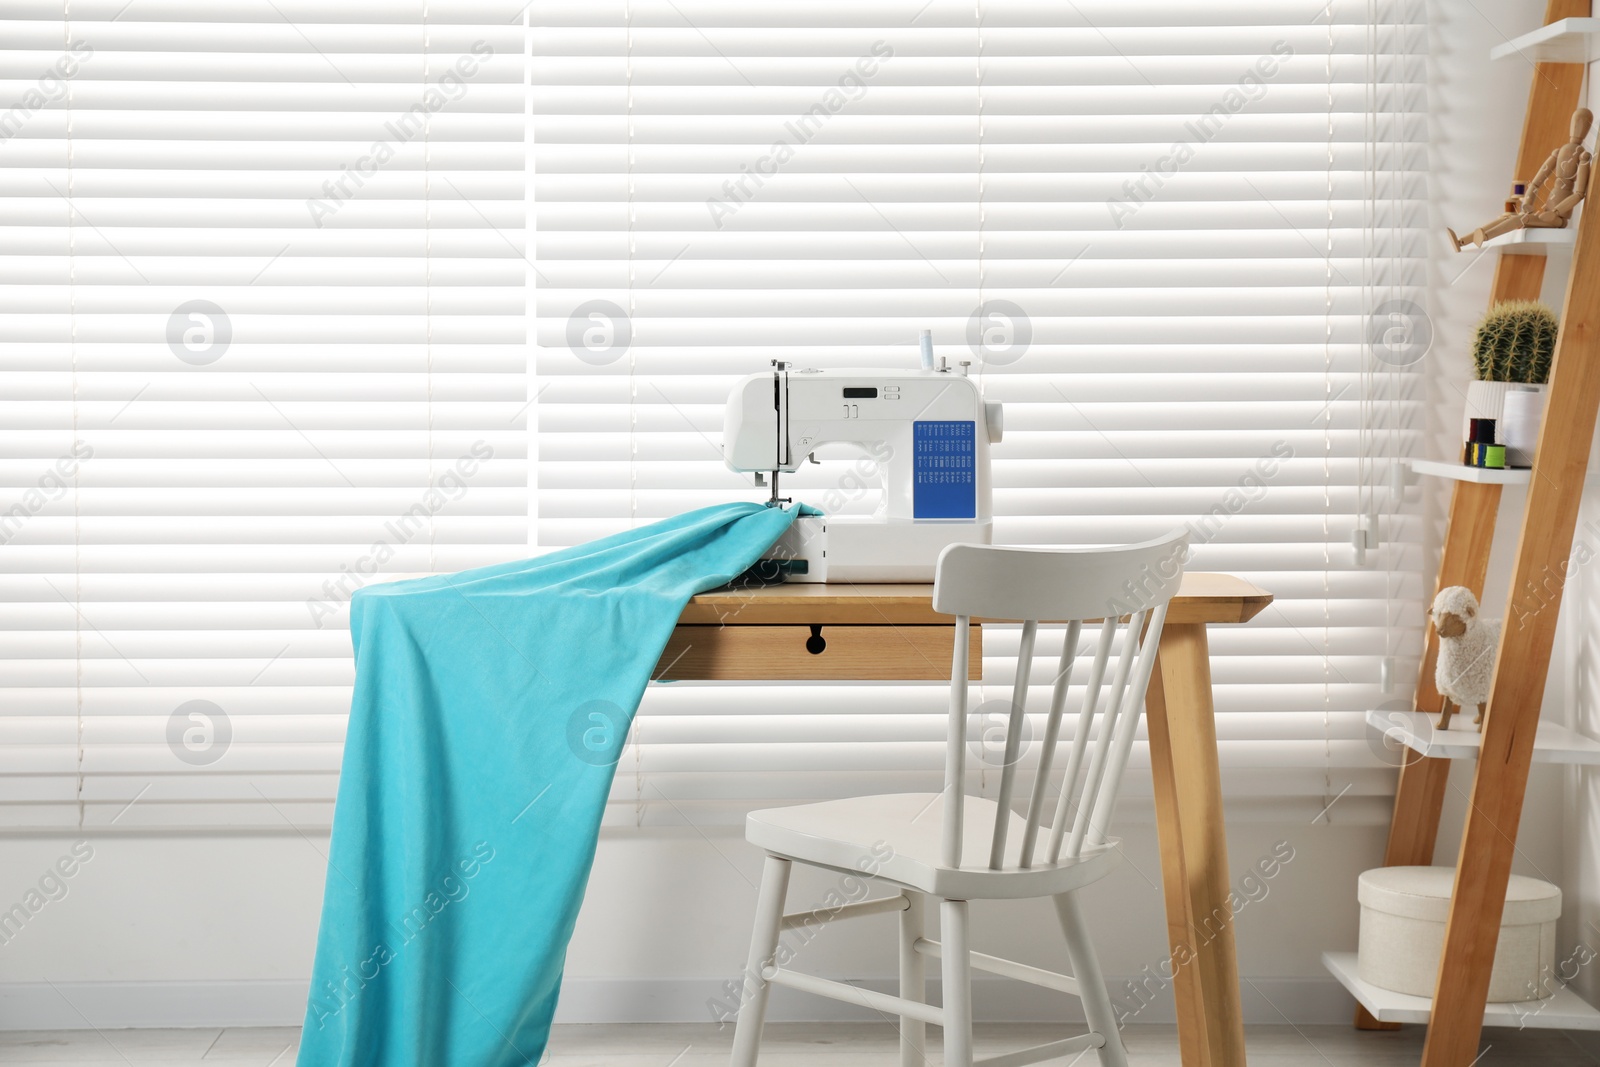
(816, 643)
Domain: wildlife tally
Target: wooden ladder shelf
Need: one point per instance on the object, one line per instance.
(1512, 716)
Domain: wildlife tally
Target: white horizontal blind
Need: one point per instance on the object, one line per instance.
(265, 343)
(1165, 222)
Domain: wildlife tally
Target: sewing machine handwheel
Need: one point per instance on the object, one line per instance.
(816, 643)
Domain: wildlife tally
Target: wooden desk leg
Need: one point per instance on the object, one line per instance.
(1194, 850)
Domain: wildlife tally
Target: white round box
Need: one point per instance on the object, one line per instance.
(1403, 914)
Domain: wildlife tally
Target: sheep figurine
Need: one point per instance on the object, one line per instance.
(1467, 646)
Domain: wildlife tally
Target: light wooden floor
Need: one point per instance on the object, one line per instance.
(792, 1045)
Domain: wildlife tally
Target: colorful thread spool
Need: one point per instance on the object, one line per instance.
(1489, 456)
(1480, 449)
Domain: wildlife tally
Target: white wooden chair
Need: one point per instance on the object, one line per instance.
(958, 848)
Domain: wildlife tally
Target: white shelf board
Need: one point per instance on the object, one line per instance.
(1551, 744)
(1463, 473)
(1571, 40)
(1538, 241)
(1563, 1011)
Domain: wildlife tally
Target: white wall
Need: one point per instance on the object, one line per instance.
(220, 929)
(1580, 882)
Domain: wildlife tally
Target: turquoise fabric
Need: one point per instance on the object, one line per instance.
(490, 708)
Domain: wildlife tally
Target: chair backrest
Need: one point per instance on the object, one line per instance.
(1123, 589)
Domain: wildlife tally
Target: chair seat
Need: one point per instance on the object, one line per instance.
(896, 836)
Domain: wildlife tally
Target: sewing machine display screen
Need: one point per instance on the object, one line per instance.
(944, 465)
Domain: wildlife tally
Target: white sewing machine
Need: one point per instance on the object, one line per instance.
(926, 433)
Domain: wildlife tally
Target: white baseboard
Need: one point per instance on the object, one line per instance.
(121, 1005)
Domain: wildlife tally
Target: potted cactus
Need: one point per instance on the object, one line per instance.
(1511, 352)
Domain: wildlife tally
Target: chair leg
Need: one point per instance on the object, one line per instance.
(1091, 982)
(913, 981)
(763, 943)
(957, 983)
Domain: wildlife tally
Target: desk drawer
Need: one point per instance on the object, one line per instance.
(783, 653)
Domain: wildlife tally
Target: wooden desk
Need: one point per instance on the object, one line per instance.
(891, 632)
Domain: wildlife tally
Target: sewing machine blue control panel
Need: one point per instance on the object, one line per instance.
(944, 464)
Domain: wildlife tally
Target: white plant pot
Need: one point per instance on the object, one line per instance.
(1521, 416)
(1485, 400)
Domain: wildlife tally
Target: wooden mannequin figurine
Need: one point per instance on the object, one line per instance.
(1567, 170)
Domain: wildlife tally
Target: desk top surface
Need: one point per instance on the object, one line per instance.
(1202, 598)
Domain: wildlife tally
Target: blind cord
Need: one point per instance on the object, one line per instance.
(1327, 447)
(633, 385)
(72, 346)
(977, 74)
(427, 281)
(633, 307)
